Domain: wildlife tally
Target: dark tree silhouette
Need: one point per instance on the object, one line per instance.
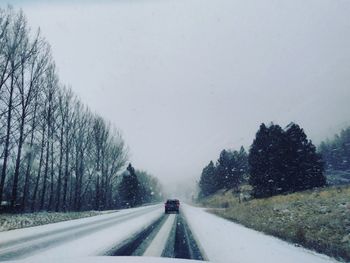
(266, 161)
(137, 187)
(283, 161)
(129, 188)
(227, 174)
(304, 165)
(336, 152)
(207, 183)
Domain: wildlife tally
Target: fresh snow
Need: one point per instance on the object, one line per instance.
(93, 241)
(101, 241)
(223, 241)
(17, 221)
(30, 232)
(220, 240)
(157, 246)
(123, 259)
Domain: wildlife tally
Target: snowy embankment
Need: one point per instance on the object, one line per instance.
(223, 241)
(16, 221)
(76, 238)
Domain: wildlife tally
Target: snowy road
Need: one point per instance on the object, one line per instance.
(75, 236)
(146, 231)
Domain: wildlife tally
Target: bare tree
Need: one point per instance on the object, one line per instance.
(50, 90)
(15, 43)
(63, 157)
(32, 67)
(42, 130)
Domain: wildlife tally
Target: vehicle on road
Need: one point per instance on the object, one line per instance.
(172, 205)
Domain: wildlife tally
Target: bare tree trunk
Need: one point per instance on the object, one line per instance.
(81, 174)
(59, 181)
(36, 187)
(29, 158)
(18, 160)
(97, 198)
(20, 143)
(71, 194)
(76, 190)
(7, 140)
(66, 174)
(51, 176)
(42, 201)
(43, 192)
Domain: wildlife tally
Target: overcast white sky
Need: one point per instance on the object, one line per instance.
(184, 79)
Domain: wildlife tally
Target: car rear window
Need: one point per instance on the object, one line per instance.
(173, 202)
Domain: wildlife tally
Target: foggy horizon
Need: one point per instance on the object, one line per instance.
(184, 80)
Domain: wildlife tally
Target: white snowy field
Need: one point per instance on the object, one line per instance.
(223, 241)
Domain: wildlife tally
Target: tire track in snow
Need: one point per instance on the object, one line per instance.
(157, 246)
(168, 236)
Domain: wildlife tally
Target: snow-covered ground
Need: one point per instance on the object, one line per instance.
(124, 259)
(101, 241)
(157, 246)
(82, 237)
(16, 221)
(81, 240)
(30, 232)
(223, 241)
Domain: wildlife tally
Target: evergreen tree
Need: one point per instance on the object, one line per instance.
(304, 165)
(336, 152)
(283, 161)
(241, 158)
(266, 161)
(223, 170)
(150, 189)
(227, 174)
(207, 183)
(129, 189)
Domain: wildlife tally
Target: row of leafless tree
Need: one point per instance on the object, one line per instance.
(55, 154)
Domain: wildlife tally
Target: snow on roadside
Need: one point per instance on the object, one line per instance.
(13, 235)
(225, 241)
(108, 211)
(16, 221)
(99, 242)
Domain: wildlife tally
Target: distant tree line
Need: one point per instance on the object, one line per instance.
(55, 154)
(336, 152)
(279, 161)
(137, 188)
(227, 173)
